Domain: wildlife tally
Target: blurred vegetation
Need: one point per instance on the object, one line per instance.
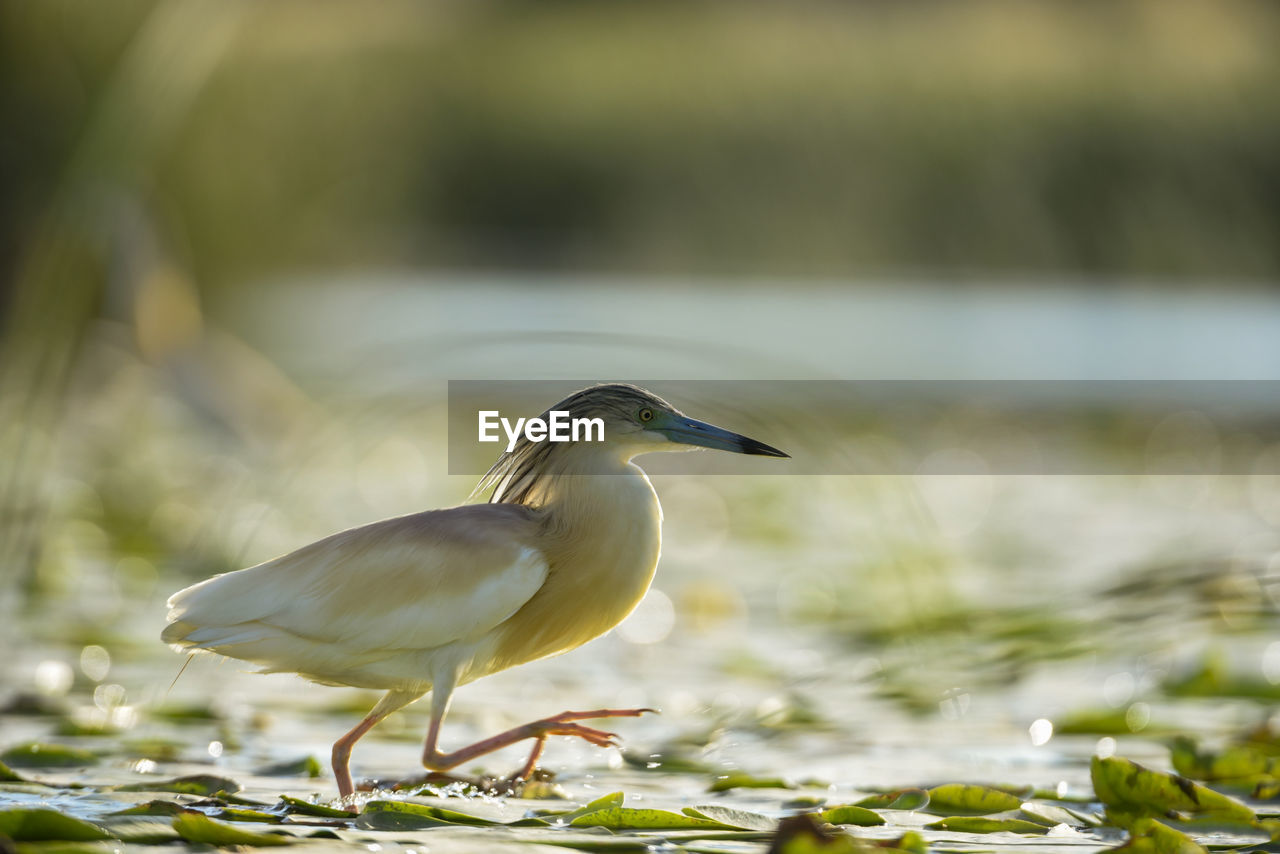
(1114, 138)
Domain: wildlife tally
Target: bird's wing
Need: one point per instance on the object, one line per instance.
(410, 583)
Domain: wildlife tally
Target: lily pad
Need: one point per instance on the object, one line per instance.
(1050, 815)
(1235, 762)
(959, 799)
(194, 827)
(740, 780)
(158, 749)
(242, 814)
(37, 755)
(301, 807)
(1148, 836)
(1130, 792)
(403, 815)
(59, 847)
(803, 834)
(307, 766)
(909, 842)
(153, 808)
(979, 824)
(142, 832)
(195, 784)
(613, 799)
(8, 775)
(1122, 721)
(743, 819)
(627, 818)
(850, 814)
(666, 761)
(901, 799)
(38, 825)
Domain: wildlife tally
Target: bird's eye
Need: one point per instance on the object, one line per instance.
(646, 414)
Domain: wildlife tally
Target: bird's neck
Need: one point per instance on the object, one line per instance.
(612, 501)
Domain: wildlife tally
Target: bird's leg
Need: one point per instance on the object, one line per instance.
(561, 724)
(531, 764)
(342, 747)
(342, 755)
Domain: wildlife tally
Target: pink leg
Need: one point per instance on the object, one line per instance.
(342, 755)
(342, 747)
(561, 724)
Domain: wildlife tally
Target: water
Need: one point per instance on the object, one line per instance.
(848, 634)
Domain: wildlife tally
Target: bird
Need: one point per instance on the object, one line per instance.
(563, 550)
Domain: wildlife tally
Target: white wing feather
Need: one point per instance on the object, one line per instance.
(413, 583)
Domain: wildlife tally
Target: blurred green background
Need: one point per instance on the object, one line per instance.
(244, 244)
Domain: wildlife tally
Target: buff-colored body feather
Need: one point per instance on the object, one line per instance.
(449, 595)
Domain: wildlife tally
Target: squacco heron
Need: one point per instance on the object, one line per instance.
(563, 551)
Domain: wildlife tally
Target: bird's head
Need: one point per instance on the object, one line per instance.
(637, 422)
(633, 422)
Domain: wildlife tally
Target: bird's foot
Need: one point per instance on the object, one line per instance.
(561, 726)
(602, 713)
(564, 724)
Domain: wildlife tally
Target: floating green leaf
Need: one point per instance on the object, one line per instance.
(223, 798)
(979, 824)
(627, 818)
(307, 766)
(957, 799)
(241, 814)
(542, 790)
(1064, 797)
(37, 755)
(1235, 762)
(667, 761)
(1122, 721)
(192, 712)
(159, 749)
(1129, 792)
(301, 807)
(613, 799)
(1257, 831)
(153, 808)
(37, 825)
(1148, 836)
(902, 799)
(803, 834)
(195, 827)
(195, 784)
(850, 814)
(142, 832)
(909, 842)
(744, 819)
(58, 847)
(8, 775)
(1050, 815)
(741, 780)
(403, 815)
(1214, 679)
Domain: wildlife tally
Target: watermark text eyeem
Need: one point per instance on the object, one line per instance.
(559, 426)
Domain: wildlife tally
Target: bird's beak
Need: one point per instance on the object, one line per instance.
(687, 431)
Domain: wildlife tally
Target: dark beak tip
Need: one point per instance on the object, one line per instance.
(760, 449)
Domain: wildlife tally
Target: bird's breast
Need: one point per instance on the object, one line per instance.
(602, 547)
